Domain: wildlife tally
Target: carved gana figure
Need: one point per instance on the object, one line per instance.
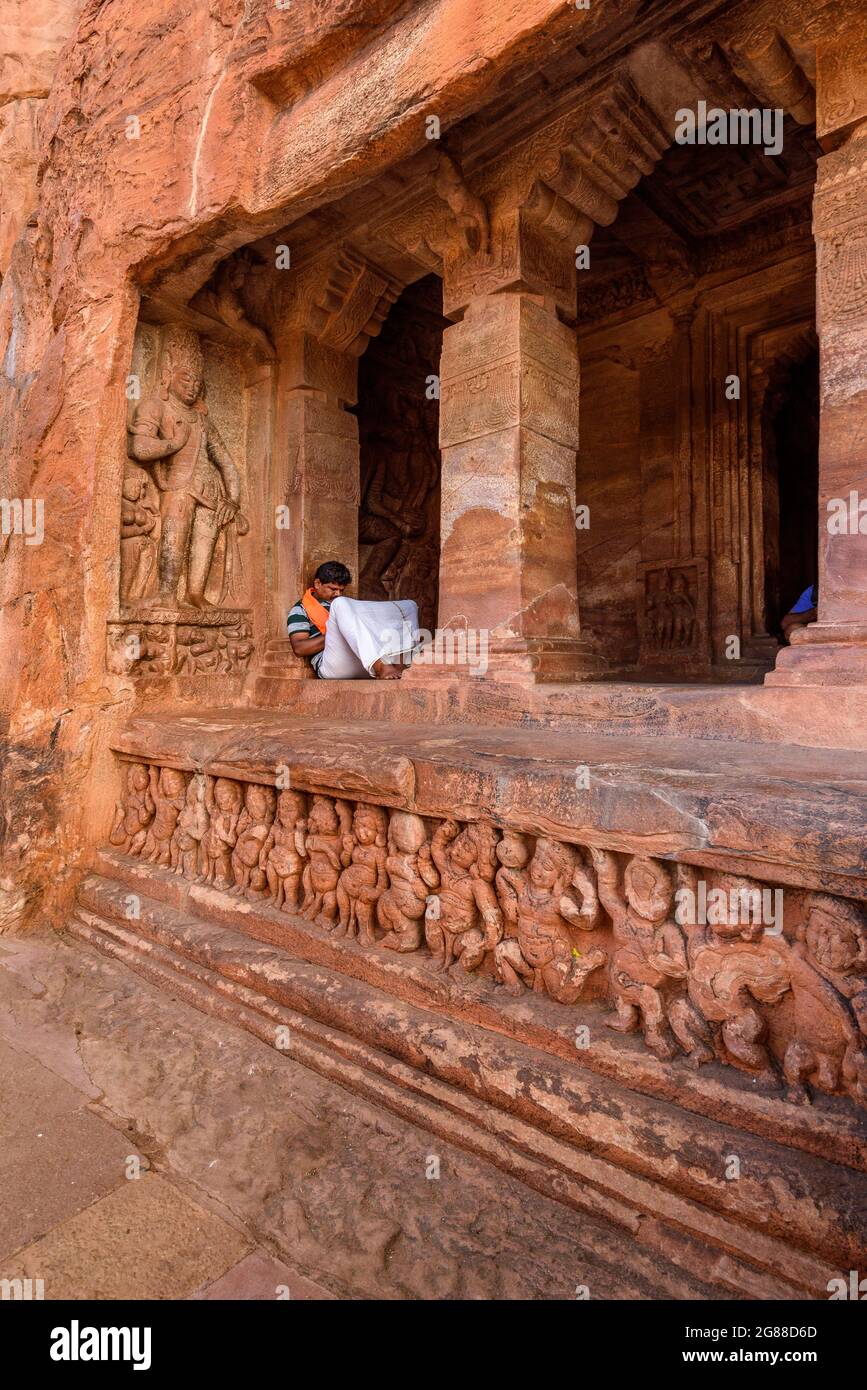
(191, 830)
(543, 954)
(513, 854)
(463, 919)
(169, 793)
(134, 812)
(329, 847)
(364, 879)
(733, 968)
(411, 876)
(829, 984)
(283, 852)
(223, 801)
(254, 826)
(650, 952)
(199, 485)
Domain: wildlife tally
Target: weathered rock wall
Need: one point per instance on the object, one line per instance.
(32, 35)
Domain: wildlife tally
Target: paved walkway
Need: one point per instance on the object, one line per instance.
(87, 1206)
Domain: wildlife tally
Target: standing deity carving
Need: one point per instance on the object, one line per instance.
(198, 484)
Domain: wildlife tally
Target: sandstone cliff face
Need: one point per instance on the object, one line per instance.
(32, 34)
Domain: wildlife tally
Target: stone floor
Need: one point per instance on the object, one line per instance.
(257, 1179)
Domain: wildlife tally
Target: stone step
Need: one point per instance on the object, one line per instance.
(629, 1247)
(716, 714)
(637, 1161)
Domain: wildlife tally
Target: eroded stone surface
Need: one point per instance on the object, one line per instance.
(334, 1184)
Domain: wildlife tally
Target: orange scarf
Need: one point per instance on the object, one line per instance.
(316, 612)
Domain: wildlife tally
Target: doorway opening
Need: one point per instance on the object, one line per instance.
(398, 425)
(791, 490)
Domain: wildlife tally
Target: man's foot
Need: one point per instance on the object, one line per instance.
(384, 671)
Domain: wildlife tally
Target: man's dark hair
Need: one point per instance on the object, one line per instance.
(333, 572)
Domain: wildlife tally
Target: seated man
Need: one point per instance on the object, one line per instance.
(803, 612)
(350, 638)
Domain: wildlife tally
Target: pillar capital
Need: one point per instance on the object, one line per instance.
(522, 257)
(339, 298)
(536, 203)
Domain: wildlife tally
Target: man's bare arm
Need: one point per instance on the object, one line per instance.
(798, 620)
(307, 646)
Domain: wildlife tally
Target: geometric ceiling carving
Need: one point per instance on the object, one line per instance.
(702, 190)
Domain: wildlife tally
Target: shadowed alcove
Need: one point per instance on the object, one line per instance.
(398, 423)
(791, 486)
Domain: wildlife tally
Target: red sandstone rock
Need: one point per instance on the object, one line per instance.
(264, 243)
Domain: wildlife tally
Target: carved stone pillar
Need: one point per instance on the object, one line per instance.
(833, 651)
(317, 465)
(325, 317)
(509, 435)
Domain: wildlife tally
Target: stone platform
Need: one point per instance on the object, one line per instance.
(610, 1132)
(793, 814)
(630, 1127)
(830, 717)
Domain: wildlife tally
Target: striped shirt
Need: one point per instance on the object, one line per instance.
(298, 622)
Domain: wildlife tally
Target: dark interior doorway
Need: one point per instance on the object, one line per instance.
(398, 422)
(791, 432)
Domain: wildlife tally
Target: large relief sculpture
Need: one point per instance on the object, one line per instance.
(181, 569)
(783, 1001)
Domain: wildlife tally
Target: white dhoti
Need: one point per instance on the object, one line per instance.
(361, 632)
